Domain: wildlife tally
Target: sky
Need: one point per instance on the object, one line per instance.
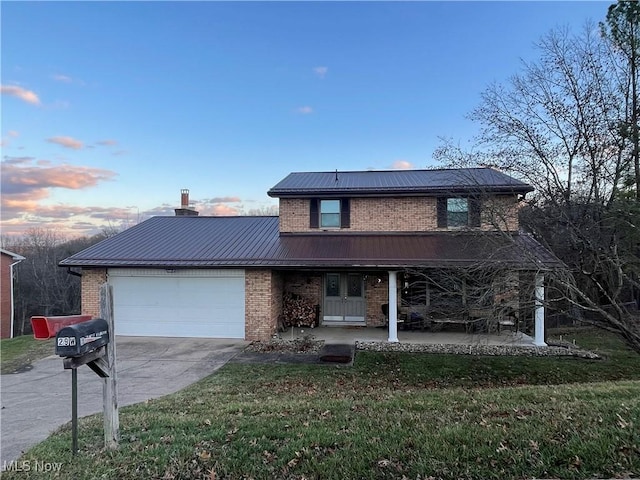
(109, 109)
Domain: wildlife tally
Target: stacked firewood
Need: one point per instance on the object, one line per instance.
(298, 311)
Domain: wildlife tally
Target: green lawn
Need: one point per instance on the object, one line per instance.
(390, 416)
(19, 353)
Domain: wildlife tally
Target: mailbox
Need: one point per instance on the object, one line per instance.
(82, 338)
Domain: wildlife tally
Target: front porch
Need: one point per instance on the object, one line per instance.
(349, 335)
(487, 306)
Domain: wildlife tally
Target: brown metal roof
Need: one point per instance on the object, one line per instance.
(228, 242)
(398, 182)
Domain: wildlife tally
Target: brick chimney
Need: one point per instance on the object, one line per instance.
(185, 210)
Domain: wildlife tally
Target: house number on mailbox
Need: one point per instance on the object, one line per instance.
(66, 341)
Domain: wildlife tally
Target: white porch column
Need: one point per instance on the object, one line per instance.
(539, 310)
(393, 306)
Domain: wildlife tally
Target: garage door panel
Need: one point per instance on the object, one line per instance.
(179, 306)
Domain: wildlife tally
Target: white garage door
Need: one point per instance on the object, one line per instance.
(180, 303)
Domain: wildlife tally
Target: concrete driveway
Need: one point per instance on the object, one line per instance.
(38, 401)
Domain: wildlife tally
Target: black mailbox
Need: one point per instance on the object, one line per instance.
(82, 338)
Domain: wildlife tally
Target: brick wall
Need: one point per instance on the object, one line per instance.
(92, 280)
(277, 290)
(307, 285)
(376, 293)
(294, 215)
(500, 213)
(5, 295)
(402, 214)
(263, 293)
(410, 214)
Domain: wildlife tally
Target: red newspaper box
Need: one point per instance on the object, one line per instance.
(47, 327)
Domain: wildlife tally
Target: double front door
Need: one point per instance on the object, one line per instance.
(344, 302)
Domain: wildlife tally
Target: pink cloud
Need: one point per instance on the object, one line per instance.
(25, 186)
(21, 93)
(402, 165)
(306, 110)
(222, 200)
(19, 179)
(218, 206)
(222, 210)
(67, 142)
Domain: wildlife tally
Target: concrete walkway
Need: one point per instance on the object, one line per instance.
(38, 401)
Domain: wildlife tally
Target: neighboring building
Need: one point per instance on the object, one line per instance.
(356, 244)
(7, 310)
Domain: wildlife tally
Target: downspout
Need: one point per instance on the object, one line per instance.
(13, 308)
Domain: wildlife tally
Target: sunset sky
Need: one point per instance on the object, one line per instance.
(110, 108)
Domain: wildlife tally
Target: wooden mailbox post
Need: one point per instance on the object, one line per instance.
(92, 343)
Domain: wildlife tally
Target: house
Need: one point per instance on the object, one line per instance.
(394, 249)
(7, 261)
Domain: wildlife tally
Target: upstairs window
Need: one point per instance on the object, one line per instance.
(329, 213)
(458, 212)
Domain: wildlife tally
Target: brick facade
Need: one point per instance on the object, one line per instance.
(402, 214)
(277, 291)
(306, 285)
(5, 295)
(92, 280)
(376, 292)
(500, 212)
(263, 303)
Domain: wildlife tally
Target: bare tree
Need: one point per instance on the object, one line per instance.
(622, 30)
(264, 211)
(556, 125)
(42, 287)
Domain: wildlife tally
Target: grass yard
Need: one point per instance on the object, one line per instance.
(19, 353)
(390, 416)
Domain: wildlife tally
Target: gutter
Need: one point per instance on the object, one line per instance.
(73, 272)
